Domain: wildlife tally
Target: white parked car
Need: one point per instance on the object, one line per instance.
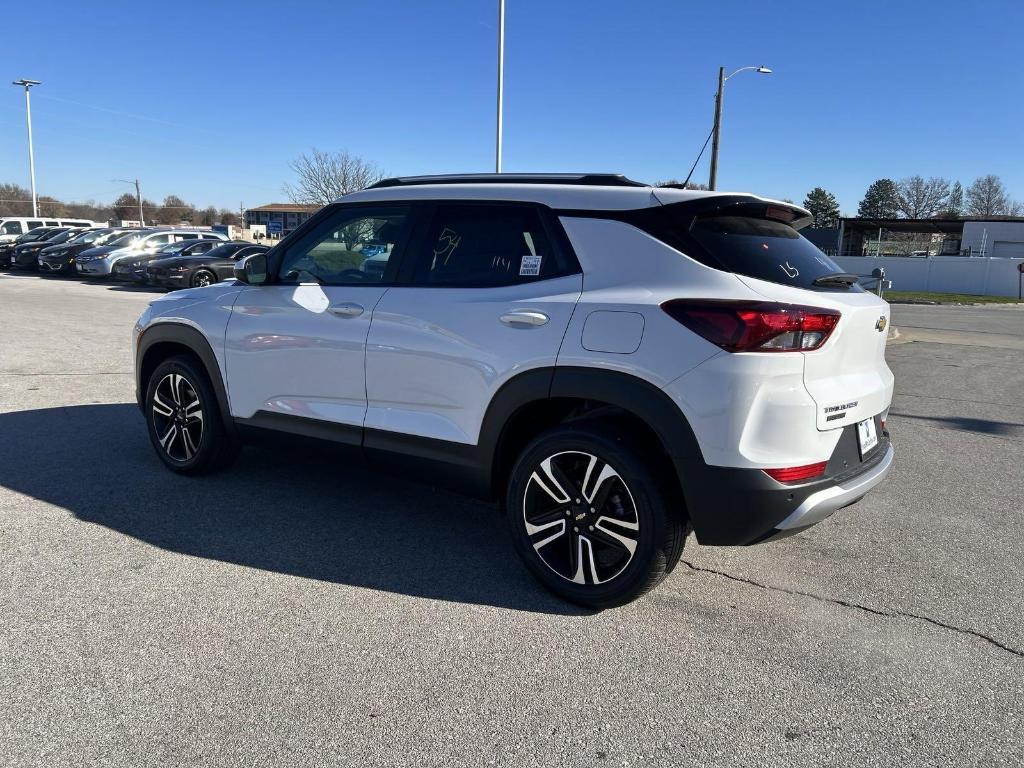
(618, 364)
(11, 227)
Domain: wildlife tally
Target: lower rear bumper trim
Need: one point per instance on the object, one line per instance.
(823, 503)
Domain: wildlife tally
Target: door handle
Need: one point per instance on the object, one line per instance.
(347, 309)
(525, 318)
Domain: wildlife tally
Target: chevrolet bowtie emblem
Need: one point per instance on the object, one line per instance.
(880, 325)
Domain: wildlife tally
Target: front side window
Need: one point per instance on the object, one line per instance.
(485, 245)
(352, 247)
(11, 228)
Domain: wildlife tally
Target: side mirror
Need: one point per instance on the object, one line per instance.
(252, 269)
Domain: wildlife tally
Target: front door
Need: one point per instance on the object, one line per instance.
(295, 349)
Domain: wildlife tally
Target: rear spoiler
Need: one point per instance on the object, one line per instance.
(790, 213)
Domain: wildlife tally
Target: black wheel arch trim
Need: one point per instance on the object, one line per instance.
(193, 340)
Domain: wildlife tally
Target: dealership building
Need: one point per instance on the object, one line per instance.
(996, 237)
(278, 219)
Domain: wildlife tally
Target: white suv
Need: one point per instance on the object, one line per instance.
(617, 363)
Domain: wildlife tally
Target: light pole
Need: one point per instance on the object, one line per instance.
(138, 196)
(31, 158)
(501, 82)
(717, 131)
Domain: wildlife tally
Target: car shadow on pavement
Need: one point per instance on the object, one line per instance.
(307, 513)
(968, 424)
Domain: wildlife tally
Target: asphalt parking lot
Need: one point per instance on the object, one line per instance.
(295, 611)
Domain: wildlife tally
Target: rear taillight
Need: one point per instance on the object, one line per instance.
(797, 474)
(755, 326)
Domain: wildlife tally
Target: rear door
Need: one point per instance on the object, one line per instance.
(488, 291)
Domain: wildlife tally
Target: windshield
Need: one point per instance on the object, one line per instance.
(63, 237)
(35, 234)
(175, 247)
(90, 236)
(125, 239)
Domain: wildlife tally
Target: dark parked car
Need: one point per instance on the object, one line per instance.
(61, 258)
(197, 271)
(26, 255)
(135, 268)
(32, 236)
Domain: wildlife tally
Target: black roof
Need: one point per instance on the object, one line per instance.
(584, 179)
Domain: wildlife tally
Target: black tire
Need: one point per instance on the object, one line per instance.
(202, 278)
(634, 502)
(177, 392)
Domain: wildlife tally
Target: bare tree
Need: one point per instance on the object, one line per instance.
(323, 177)
(921, 199)
(987, 197)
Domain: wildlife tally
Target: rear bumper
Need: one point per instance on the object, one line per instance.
(729, 507)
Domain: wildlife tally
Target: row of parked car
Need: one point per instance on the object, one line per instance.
(168, 257)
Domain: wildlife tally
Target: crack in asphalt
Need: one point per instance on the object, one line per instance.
(847, 604)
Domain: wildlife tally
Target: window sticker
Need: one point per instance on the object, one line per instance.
(530, 266)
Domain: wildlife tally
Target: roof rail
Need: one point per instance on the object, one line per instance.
(584, 179)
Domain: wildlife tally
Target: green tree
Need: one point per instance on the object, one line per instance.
(823, 207)
(881, 201)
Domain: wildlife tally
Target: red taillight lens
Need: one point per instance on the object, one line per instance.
(755, 326)
(797, 474)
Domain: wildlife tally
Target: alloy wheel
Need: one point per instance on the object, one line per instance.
(580, 517)
(177, 417)
(202, 280)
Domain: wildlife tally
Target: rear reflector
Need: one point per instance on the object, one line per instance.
(755, 326)
(797, 474)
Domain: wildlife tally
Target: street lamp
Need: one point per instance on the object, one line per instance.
(717, 131)
(138, 196)
(31, 159)
(501, 82)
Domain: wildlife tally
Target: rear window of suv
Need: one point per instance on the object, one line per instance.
(750, 239)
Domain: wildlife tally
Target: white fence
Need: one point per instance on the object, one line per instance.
(941, 274)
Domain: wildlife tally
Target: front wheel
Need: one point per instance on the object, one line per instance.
(591, 516)
(203, 278)
(184, 420)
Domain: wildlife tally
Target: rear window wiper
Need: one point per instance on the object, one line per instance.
(839, 278)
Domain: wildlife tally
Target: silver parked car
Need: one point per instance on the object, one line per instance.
(99, 262)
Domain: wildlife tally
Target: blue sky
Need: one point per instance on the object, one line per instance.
(211, 100)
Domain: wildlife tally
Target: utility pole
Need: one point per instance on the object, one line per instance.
(713, 178)
(138, 196)
(501, 82)
(716, 131)
(31, 158)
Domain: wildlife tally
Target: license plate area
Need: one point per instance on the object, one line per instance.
(867, 436)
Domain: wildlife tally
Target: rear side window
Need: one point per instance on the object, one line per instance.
(481, 245)
(746, 240)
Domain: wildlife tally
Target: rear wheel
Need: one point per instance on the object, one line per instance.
(591, 516)
(202, 278)
(184, 420)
